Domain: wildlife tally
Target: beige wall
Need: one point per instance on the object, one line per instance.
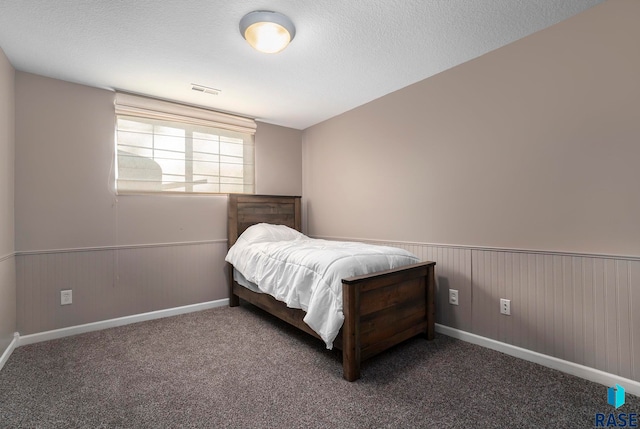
(532, 146)
(64, 175)
(7, 150)
(64, 142)
(278, 160)
(7, 246)
(63, 201)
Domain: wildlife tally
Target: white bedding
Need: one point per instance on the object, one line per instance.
(307, 273)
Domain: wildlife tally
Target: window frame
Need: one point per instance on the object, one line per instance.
(191, 119)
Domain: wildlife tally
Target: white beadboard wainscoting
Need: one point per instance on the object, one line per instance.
(7, 306)
(574, 307)
(115, 282)
(571, 312)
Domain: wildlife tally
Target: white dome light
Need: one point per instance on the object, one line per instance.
(268, 32)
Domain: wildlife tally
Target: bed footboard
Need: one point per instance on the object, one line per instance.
(380, 310)
(384, 309)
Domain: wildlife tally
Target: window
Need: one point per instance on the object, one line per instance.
(166, 147)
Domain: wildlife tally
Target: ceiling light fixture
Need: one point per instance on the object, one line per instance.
(268, 32)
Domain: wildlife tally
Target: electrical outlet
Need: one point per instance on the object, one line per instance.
(453, 297)
(66, 297)
(505, 307)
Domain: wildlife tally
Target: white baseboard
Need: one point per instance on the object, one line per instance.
(120, 321)
(591, 374)
(12, 345)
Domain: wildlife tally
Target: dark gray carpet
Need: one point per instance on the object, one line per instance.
(238, 367)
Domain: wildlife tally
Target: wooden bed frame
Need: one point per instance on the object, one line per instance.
(380, 309)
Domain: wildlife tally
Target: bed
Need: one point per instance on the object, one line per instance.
(380, 310)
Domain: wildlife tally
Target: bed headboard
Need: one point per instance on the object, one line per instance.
(244, 210)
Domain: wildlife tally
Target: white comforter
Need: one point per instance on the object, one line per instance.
(307, 273)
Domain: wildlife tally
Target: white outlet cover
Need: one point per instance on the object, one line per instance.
(505, 307)
(453, 297)
(66, 297)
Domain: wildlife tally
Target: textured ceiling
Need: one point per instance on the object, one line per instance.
(344, 53)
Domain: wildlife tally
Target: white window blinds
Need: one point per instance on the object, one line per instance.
(168, 147)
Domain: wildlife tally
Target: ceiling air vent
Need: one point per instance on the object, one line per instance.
(205, 89)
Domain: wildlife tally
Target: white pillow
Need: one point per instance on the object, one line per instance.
(262, 233)
(265, 232)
